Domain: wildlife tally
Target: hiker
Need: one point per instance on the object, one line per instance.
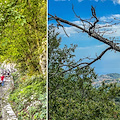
(2, 79)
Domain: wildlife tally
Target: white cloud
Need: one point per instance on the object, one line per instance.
(116, 15)
(103, 18)
(90, 0)
(60, 0)
(116, 1)
(116, 31)
(77, 22)
(80, 0)
(69, 30)
(114, 28)
(109, 18)
(90, 47)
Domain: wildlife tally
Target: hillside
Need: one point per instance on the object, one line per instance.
(108, 78)
(114, 75)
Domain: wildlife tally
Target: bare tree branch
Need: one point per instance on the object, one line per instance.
(59, 24)
(96, 20)
(91, 33)
(88, 64)
(82, 20)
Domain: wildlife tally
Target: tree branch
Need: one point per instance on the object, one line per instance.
(94, 15)
(99, 57)
(93, 34)
(88, 64)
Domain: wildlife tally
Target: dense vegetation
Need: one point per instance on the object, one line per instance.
(71, 94)
(28, 98)
(23, 26)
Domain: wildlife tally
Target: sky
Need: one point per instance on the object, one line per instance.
(106, 10)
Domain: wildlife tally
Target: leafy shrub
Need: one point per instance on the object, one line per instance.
(29, 98)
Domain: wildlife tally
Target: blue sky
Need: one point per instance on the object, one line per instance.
(106, 10)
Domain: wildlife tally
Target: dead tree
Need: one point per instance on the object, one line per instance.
(93, 28)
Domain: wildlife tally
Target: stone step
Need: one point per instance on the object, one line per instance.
(6, 109)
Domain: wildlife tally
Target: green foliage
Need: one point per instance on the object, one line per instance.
(71, 94)
(28, 98)
(23, 29)
(23, 33)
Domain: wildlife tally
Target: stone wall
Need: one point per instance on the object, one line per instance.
(8, 66)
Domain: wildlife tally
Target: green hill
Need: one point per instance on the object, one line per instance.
(114, 75)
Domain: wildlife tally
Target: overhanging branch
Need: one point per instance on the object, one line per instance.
(91, 33)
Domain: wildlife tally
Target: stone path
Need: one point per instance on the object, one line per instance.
(6, 112)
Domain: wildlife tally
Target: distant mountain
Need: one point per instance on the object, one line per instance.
(114, 75)
(110, 75)
(108, 78)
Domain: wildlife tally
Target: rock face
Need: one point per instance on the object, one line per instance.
(6, 110)
(8, 66)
